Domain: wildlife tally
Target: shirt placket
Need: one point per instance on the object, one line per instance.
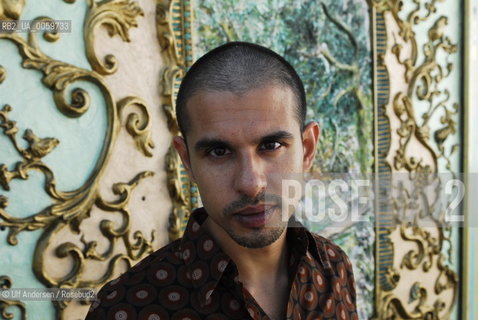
(253, 308)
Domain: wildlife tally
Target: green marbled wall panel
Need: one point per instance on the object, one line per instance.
(329, 44)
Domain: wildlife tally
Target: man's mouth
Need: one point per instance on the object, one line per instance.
(254, 216)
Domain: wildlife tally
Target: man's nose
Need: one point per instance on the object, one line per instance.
(250, 178)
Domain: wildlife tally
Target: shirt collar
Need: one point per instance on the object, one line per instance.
(309, 244)
(206, 262)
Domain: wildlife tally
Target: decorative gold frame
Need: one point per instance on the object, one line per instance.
(174, 30)
(470, 258)
(427, 243)
(174, 26)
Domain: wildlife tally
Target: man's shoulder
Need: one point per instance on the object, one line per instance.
(326, 243)
(142, 271)
(330, 254)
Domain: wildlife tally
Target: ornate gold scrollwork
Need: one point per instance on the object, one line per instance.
(6, 283)
(70, 208)
(174, 19)
(393, 276)
(3, 74)
(136, 244)
(138, 125)
(427, 248)
(11, 9)
(118, 17)
(57, 75)
(415, 201)
(37, 149)
(396, 310)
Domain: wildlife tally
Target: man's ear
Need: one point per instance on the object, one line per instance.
(310, 137)
(182, 149)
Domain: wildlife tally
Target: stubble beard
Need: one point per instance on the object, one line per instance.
(258, 237)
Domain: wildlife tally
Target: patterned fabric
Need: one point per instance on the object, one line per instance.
(192, 278)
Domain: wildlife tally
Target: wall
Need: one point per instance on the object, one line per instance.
(83, 182)
(89, 184)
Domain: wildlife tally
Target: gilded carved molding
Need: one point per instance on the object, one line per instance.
(11, 9)
(3, 74)
(118, 17)
(70, 208)
(138, 124)
(409, 188)
(174, 19)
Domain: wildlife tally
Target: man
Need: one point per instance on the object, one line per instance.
(241, 110)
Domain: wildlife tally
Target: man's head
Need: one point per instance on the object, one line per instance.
(245, 135)
(238, 67)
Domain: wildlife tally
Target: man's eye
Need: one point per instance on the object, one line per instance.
(218, 152)
(270, 145)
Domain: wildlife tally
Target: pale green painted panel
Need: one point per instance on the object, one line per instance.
(473, 277)
(17, 264)
(71, 44)
(81, 139)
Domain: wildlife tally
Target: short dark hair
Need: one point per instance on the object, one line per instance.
(238, 67)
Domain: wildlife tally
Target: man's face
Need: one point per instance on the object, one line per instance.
(239, 148)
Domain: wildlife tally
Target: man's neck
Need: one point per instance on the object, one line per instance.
(263, 271)
(252, 264)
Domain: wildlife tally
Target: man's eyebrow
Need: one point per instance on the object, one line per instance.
(279, 135)
(208, 143)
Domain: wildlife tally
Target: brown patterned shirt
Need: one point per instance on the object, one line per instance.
(192, 278)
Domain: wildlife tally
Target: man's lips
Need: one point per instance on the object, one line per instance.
(252, 210)
(254, 216)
